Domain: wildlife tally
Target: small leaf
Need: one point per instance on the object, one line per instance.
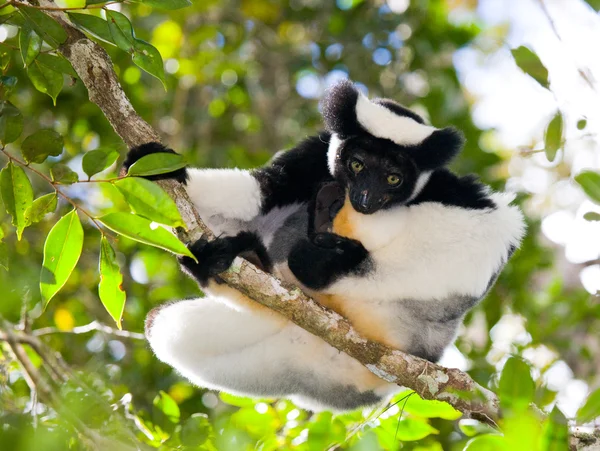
(157, 163)
(530, 63)
(41, 207)
(94, 25)
(516, 385)
(410, 429)
(44, 25)
(45, 80)
(61, 252)
(149, 200)
(63, 174)
(42, 144)
(554, 136)
(110, 289)
(196, 430)
(581, 124)
(57, 63)
(591, 409)
(30, 44)
(8, 82)
(488, 442)
(590, 182)
(140, 229)
(147, 57)
(120, 30)
(11, 122)
(591, 216)
(4, 256)
(168, 406)
(17, 194)
(167, 4)
(98, 160)
(430, 409)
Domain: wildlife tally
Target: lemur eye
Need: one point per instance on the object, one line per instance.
(357, 166)
(393, 179)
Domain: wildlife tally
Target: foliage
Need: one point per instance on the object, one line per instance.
(81, 243)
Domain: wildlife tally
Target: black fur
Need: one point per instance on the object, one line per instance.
(449, 189)
(215, 257)
(339, 110)
(437, 150)
(319, 262)
(138, 152)
(294, 175)
(398, 109)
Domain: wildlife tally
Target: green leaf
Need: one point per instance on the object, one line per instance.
(63, 174)
(487, 442)
(57, 63)
(149, 200)
(410, 429)
(94, 25)
(553, 137)
(167, 4)
(120, 30)
(591, 409)
(555, 436)
(11, 122)
(4, 255)
(140, 229)
(196, 430)
(98, 160)
(42, 144)
(61, 252)
(147, 57)
(590, 182)
(45, 79)
(110, 289)
(530, 63)
(30, 44)
(17, 194)
(595, 4)
(49, 29)
(591, 216)
(431, 409)
(157, 163)
(8, 82)
(238, 401)
(41, 207)
(168, 406)
(516, 385)
(581, 124)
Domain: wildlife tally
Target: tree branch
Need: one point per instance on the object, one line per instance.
(431, 381)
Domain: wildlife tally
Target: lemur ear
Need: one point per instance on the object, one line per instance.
(339, 109)
(438, 149)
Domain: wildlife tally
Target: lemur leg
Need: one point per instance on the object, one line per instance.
(248, 353)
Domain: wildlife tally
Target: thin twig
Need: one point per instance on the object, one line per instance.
(93, 326)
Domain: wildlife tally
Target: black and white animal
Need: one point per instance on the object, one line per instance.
(366, 219)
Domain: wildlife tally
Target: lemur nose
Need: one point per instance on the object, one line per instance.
(364, 197)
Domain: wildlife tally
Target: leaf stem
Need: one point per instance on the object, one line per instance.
(60, 8)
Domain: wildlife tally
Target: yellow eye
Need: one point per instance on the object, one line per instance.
(393, 179)
(356, 166)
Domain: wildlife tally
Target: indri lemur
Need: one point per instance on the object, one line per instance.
(369, 222)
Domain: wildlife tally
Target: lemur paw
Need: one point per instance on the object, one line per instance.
(339, 244)
(149, 148)
(214, 257)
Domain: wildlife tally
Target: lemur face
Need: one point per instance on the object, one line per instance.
(374, 174)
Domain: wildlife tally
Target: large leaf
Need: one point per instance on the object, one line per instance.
(530, 63)
(554, 136)
(410, 429)
(167, 405)
(62, 173)
(61, 252)
(516, 385)
(30, 44)
(110, 290)
(41, 207)
(430, 409)
(149, 200)
(121, 30)
(49, 29)
(590, 182)
(94, 25)
(488, 442)
(141, 229)
(42, 144)
(11, 122)
(594, 4)
(196, 430)
(591, 409)
(157, 163)
(555, 436)
(147, 57)
(45, 79)
(17, 194)
(57, 63)
(167, 4)
(98, 160)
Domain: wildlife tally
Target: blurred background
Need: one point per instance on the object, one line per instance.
(243, 81)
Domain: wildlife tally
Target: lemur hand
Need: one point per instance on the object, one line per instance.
(338, 243)
(149, 148)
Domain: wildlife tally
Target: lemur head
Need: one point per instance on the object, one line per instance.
(380, 151)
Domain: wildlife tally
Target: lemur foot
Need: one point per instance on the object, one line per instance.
(337, 243)
(138, 152)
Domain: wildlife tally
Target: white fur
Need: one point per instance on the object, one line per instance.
(421, 182)
(332, 151)
(383, 123)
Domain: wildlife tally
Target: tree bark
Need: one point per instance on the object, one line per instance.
(430, 381)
